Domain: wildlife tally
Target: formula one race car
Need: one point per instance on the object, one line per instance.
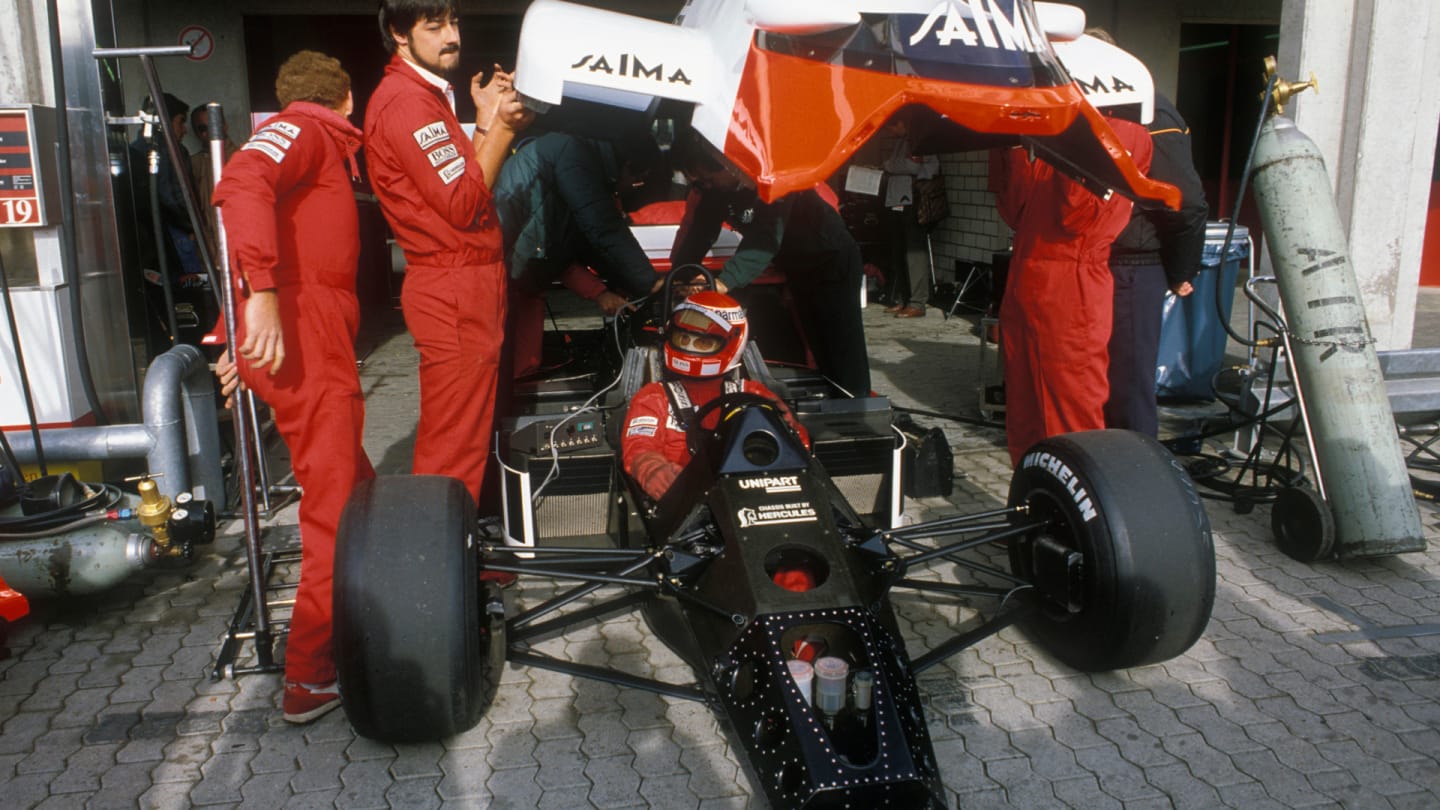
(769, 567)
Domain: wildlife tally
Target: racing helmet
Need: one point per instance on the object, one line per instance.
(706, 335)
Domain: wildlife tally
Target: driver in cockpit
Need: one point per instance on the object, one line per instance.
(704, 340)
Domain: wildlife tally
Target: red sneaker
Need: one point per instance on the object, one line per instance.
(305, 702)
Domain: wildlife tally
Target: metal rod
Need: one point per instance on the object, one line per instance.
(945, 551)
(604, 675)
(924, 529)
(603, 579)
(564, 599)
(629, 554)
(245, 452)
(159, 50)
(964, 640)
(951, 588)
(622, 602)
(157, 228)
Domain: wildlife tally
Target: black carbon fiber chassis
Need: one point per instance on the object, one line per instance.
(700, 566)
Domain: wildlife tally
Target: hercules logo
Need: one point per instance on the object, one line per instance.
(1067, 479)
(631, 66)
(801, 512)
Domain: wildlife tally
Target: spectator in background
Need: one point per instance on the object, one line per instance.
(1055, 315)
(178, 237)
(559, 211)
(803, 236)
(906, 241)
(1159, 250)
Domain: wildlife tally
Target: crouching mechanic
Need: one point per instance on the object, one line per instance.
(293, 232)
(704, 340)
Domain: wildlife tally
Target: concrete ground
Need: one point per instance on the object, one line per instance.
(1314, 685)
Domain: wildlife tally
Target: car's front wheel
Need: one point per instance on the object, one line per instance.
(1124, 564)
(419, 654)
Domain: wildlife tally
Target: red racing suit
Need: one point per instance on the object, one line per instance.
(291, 224)
(434, 196)
(1056, 314)
(651, 426)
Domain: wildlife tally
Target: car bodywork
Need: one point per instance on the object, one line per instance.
(789, 91)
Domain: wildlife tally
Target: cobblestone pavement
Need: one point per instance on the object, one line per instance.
(107, 700)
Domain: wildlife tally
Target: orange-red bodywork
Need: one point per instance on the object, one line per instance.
(796, 120)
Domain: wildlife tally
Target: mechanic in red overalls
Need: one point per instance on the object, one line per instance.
(433, 184)
(293, 233)
(703, 342)
(1056, 313)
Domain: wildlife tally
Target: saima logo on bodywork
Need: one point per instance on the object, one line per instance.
(1067, 479)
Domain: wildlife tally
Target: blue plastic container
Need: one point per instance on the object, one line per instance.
(1192, 336)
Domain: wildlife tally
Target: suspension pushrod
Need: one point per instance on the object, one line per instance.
(603, 579)
(691, 597)
(964, 640)
(955, 548)
(972, 565)
(629, 554)
(578, 593)
(622, 602)
(606, 675)
(922, 529)
(952, 588)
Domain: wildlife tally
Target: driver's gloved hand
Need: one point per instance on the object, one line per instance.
(654, 473)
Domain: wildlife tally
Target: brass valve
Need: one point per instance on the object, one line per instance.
(1284, 90)
(154, 514)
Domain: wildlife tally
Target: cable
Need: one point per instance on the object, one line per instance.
(24, 375)
(103, 497)
(967, 420)
(1235, 214)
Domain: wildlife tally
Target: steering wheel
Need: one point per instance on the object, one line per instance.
(700, 272)
(728, 404)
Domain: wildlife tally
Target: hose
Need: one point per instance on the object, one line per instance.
(1235, 213)
(103, 498)
(24, 375)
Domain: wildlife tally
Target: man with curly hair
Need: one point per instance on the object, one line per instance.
(288, 208)
(434, 185)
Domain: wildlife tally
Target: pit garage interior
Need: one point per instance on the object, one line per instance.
(1315, 683)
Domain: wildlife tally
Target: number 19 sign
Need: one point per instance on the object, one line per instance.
(20, 192)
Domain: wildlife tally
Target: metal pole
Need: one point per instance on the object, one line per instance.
(243, 439)
(158, 228)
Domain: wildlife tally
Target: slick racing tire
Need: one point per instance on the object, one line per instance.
(1146, 579)
(419, 655)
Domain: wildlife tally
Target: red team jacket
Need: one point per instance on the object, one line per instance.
(303, 150)
(421, 168)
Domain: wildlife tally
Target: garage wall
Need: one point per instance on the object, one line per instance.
(221, 76)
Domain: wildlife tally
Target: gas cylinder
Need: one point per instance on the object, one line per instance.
(1357, 450)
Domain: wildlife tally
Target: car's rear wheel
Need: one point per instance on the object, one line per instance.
(1124, 567)
(418, 653)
